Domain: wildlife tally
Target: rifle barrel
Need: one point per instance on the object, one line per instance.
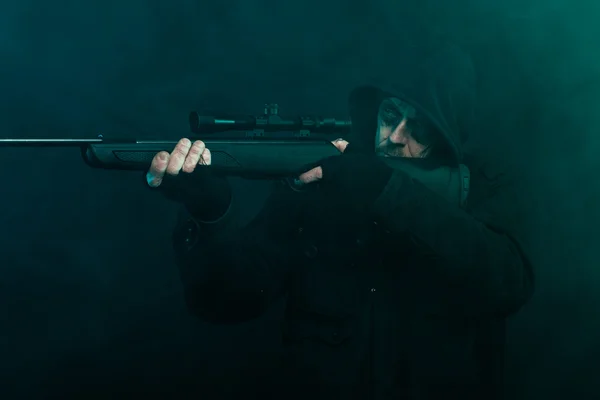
(38, 142)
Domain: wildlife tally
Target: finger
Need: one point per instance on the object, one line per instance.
(193, 156)
(157, 170)
(178, 156)
(340, 144)
(313, 175)
(206, 158)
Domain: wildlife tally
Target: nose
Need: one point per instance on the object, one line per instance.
(400, 135)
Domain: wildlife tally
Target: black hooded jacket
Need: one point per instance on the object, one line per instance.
(407, 301)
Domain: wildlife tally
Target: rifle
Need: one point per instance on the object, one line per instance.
(264, 146)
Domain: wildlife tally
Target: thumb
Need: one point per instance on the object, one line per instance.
(340, 144)
(157, 170)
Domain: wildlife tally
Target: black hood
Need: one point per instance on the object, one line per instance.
(439, 83)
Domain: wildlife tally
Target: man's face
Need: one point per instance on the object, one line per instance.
(398, 130)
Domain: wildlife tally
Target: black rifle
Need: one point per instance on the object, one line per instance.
(262, 147)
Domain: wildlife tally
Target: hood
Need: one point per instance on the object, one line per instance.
(439, 83)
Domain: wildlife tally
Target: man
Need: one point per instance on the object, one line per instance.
(393, 292)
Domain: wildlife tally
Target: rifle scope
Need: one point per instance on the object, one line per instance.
(270, 121)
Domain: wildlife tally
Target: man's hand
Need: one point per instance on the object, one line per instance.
(316, 174)
(184, 157)
(206, 197)
(356, 177)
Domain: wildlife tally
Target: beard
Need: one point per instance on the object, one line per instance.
(389, 150)
(393, 154)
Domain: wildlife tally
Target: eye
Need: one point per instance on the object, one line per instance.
(390, 117)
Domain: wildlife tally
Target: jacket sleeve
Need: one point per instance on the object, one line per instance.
(475, 252)
(232, 275)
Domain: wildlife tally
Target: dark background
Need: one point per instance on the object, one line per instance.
(90, 301)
